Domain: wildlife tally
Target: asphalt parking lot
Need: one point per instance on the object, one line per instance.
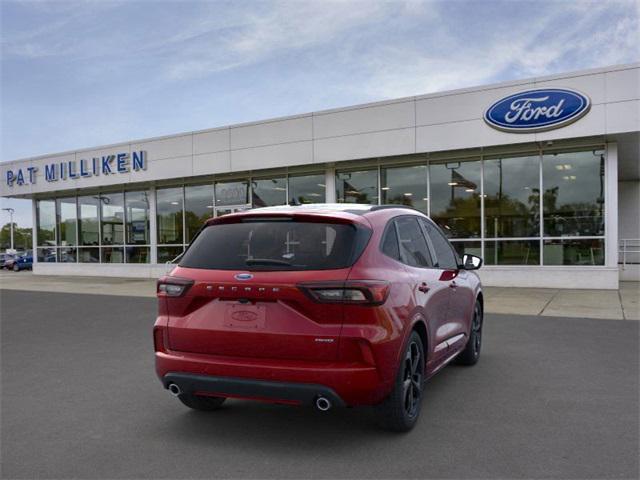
(550, 398)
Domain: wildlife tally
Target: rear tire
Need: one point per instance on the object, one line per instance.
(202, 403)
(401, 409)
(471, 353)
(16, 268)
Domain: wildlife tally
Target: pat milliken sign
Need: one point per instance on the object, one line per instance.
(105, 165)
(537, 110)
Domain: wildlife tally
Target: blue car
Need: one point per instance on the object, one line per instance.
(23, 262)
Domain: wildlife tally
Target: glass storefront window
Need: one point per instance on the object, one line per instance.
(89, 255)
(137, 254)
(67, 255)
(47, 254)
(405, 186)
(46, 218)
(512, 252)
(137, 217)
(472, 248)
(573, 252)
(169, 208)
(573, 199)
(512, 197)
(112, 218)
(198, 208)
(266, 192)
(357, 187)
(112, 255)
(88, 227)
(307, 188)
(232, 193)
(455, 198)
(67, 221)
(167, 254)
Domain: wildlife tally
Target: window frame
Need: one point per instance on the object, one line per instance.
(423, 221)
(428, 243)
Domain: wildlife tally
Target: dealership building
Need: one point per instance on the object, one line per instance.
(540, 177)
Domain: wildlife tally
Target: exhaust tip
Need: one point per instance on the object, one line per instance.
(174, 389)
(323, 404)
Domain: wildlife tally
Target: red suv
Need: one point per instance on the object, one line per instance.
(324, 305)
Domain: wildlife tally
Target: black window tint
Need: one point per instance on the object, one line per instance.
(446, 259)
(390, 242)
(413, 245)
(274, 245)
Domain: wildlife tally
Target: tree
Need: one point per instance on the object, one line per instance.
(21, 237)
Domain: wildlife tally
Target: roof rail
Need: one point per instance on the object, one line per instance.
(375, 208)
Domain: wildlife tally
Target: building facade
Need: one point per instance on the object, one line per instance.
(540, 177)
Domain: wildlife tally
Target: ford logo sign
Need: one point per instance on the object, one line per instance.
(537, 110)
(243, 276)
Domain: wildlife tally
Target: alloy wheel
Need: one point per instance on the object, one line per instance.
(412, 379)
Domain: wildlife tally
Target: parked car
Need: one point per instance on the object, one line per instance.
(7, 262)
(324, 305)
(23, 262)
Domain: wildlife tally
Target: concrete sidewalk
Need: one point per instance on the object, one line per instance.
(613, 304)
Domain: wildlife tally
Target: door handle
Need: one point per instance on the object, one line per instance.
(424, 287)
(453, 284)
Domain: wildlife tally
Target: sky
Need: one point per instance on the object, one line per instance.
(87, 73)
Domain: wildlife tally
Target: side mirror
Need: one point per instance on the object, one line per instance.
(471, 262)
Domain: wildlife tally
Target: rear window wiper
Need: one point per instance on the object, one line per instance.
(267, 261)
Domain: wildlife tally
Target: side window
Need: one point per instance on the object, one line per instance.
(390, 242)
(413, 245)
(445, 257)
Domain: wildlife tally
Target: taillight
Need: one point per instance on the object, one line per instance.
(158, 339)
(362, 292)
(173, 286)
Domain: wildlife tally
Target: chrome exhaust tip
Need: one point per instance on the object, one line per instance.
(174, 389)
(323, 404)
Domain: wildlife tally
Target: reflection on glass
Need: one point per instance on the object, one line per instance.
(357, 187)
(67, 255)
(47, 254)
(46, 217)
(137, 217)
(573, 252)
(112, 255)
(198, 207)
(168, 254)
(307, 188)
(455, 198)
(88, 220)
(112, 218)
(405, 186)
(512, 197)
(137, 254)
(512, 252)
(67, 212)
(268, 191)
(232, 193)
(169, 207)
(89, 255)
(472, 248)
(573, 198)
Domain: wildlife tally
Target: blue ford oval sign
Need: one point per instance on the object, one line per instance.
(243, 276)
(537, 110)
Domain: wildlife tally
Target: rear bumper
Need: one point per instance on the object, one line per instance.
(272, 380)
(277, 392)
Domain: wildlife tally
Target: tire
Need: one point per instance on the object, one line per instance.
(201, 403)
(471, 353)
(401, 409)
(16, 268)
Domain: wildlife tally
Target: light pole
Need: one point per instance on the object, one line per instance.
(11, 212)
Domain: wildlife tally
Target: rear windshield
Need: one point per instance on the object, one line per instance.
(275, 245)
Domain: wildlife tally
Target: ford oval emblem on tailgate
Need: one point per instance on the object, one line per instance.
(243, 276)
